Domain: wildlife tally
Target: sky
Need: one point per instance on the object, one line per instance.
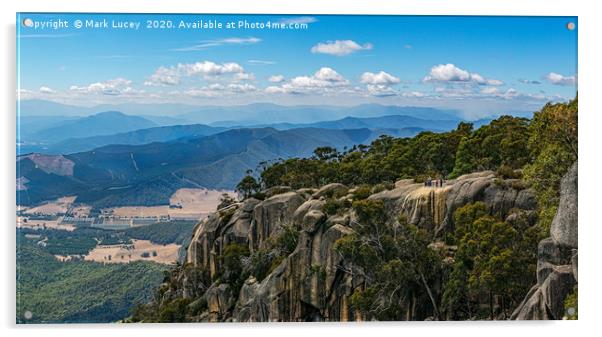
(478, 65)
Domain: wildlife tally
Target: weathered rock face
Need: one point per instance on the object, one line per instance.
(433, 208)
(564, 225)
(271, 215)
(307, 286)
(230, 225)
(556, 260)
(311, 283)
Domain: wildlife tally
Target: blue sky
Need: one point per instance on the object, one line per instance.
(480, 65)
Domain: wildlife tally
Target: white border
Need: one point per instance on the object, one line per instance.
(590, 164)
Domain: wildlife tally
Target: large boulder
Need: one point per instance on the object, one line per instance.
(423, 206)
(312, 220)
(331, 190)
(432, 208)
(546, 300)
(272, 191)
(500, 196)
(309, 205)
(533, 307)
(271, 215)
(564, 226)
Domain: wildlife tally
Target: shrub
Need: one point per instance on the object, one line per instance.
(261, 262)
(226, 215)
(362, 192)
(286, 242)
(198, 306)
(174, 311)
(332, 206)
(232, 264)
(518, 185)
(506, 172)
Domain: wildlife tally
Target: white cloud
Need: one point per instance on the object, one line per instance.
(218, 89)
(241, 88)
(329, 75)
(220, 42)
(492, 81)
(164, 76)
(112, 87)
(325, 77)
(244, 77)
(207, 70)
(510, 93)
(325, 80)
(380, 90)
(558, 79)
(275, 90)
(447, 72)
(299, 20)
(379, 84)
(276, 78)
(381, 78)
(451, 74)
(27, 94)
(489, 90)
(413, 94)
(513, 94)
(46, 90)
(339, 47)
(261, 62)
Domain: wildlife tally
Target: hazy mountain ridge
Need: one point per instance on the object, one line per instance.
(398, 125)
(257, 112)
(104, 123)
(148, 174)
(140, 163)
(136, 137)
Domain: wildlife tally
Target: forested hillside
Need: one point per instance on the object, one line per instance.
(441, 226)
(80, 291)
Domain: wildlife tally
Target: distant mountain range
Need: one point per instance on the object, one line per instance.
(137, 137)
(266, 113)
(381, 122)
(43, 124)
(112, 158)
(257, 113)
(104, 123)
(148, 174)
(86, 133)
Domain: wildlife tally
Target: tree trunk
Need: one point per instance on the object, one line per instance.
(428, 290)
